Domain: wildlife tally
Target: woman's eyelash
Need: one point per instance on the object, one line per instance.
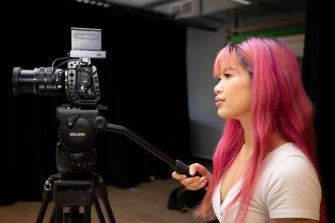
(225, 75)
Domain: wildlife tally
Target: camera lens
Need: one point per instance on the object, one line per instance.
(40, 81)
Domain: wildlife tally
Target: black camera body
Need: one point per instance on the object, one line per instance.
(79, 79)
(80, 119)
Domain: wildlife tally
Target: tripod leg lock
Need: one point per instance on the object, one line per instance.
(47, 185)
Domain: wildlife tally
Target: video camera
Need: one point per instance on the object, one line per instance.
(79, 80)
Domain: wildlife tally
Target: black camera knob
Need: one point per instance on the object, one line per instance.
(100, 122)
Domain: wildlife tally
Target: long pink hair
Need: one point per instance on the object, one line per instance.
(279, 104)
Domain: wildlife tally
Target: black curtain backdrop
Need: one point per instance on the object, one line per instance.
(320, 88)
(142, 80)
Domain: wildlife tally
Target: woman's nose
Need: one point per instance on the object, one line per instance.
(218, 88)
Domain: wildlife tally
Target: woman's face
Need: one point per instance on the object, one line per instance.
(233, 92)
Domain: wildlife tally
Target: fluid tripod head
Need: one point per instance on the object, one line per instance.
(75, 155)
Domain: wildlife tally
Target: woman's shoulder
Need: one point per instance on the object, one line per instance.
(288, 178)
(287, 152)
(288, 164)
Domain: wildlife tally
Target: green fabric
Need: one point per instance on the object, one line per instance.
(273, 32)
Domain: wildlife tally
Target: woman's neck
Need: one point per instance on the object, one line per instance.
(276, 139)
(247, 133)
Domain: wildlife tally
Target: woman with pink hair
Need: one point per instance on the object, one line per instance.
(264, 166)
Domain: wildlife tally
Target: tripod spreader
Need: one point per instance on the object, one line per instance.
(177, 165)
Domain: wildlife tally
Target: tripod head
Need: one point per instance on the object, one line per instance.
(75, 154)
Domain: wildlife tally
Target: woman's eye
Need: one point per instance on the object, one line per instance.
(226, 75)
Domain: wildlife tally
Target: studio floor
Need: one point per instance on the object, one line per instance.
(146, 203)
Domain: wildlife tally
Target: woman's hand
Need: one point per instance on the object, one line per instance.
(195, 182)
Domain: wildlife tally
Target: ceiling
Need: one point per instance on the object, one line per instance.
(213, 14)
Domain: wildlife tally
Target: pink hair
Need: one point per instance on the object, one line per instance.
(280, 104)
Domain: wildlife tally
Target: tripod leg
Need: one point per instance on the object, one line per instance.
(109, 210)
(87, 214)
(46, 199)
(102, 193)
(59, 214)
(98, 210)
(52, 217)
(74, 216)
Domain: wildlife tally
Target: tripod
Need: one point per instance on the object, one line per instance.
(75, 158)
(75, 193)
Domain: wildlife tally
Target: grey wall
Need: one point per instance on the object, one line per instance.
(205, 125)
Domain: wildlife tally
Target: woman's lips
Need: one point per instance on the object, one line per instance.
(219, 101)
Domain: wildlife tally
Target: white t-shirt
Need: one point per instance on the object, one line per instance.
(288, 187)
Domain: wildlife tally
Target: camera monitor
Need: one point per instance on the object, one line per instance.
(86, 42)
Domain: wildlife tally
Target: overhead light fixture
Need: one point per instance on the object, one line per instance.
(101, 3)
(244, 2)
